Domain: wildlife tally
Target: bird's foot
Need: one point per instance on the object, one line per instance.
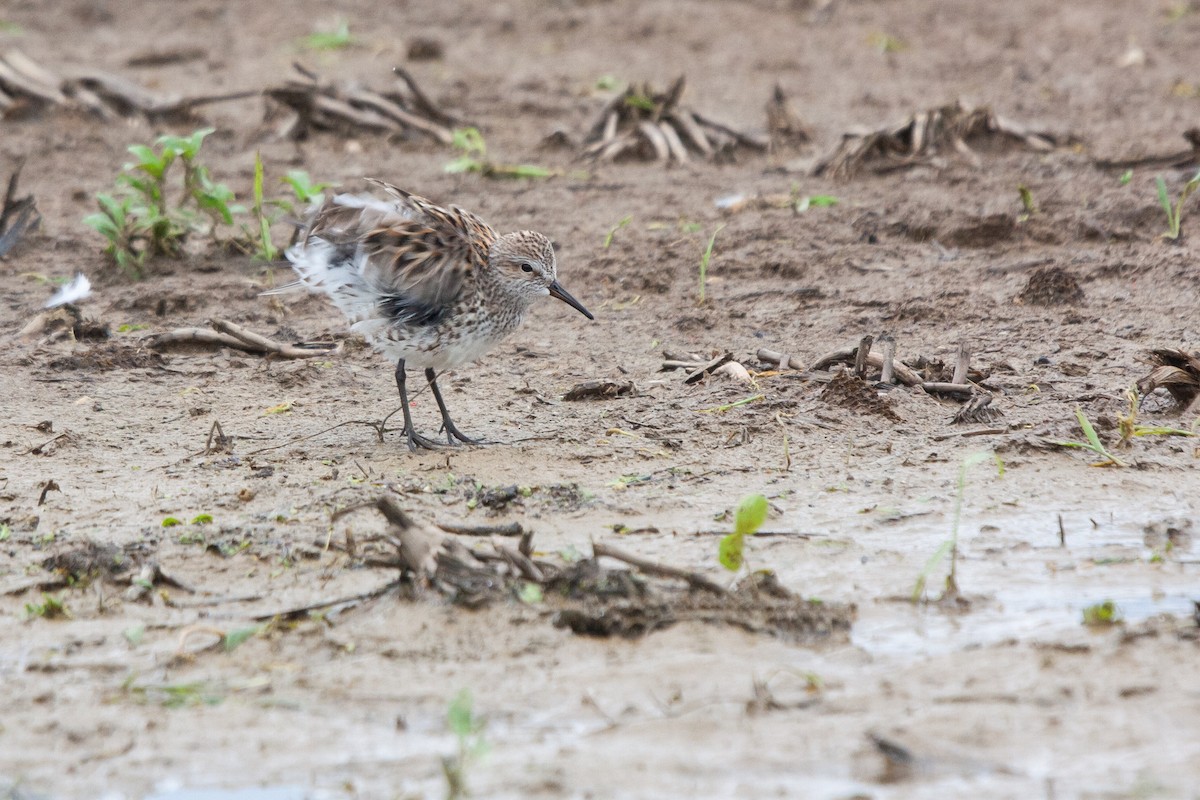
(418, 442)
(454, 436)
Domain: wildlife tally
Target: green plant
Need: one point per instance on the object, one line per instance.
(1125, 178)
(266, 250)
(1175, 212)
(1101, 615)
(51, 607)
(471, 744)
(800, 203)
(1129, 428)
(138, 219)
(336, 39)
(1093, 443)
(1026, 202)
(473, 158)
(950, 546)
(705, 258)
(750, 516)
(608, 239)
(268, 211)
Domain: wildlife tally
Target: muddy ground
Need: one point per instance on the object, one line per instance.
(1003, 693)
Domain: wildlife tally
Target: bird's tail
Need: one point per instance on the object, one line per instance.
(332, 270)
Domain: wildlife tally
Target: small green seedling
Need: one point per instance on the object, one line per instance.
(266, 249)
(337, 39)
(171, 522)
(138, 220)
(235, 638)
(202, 519)
(1093, 443)
(1026, 202)
(803, 204)
(51, 607)
(1175, 212)
(608, 240)
(1102, 615)
(473, 158)
(950, 546)
(705, 258)
(721, 409)
(1125, 178)
(1129, 428)
(472, 746)
(750, 516)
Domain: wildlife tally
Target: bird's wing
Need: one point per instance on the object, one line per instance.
(416, 255)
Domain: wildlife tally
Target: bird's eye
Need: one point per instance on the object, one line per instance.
(527, 267)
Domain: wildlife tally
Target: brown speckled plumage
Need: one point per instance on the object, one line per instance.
(430, 287)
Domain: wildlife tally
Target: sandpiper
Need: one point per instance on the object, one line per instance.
(429, 287)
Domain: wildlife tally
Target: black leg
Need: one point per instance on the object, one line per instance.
(415, 440)
(452, 431)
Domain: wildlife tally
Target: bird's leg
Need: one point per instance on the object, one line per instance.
(452, 431)
(415, 439)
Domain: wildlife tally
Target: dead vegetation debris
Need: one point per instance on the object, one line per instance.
(106, 357)
(648, 125)
(1176, 371)
(927, 135)
(224, 333)
(600, 390)
(63, 323)
(588, 597)
(18, 215)
(319, 105)
(28, 88)
(784, 126)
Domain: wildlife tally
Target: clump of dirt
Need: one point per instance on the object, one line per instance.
(602, 602)
(852, 392)
(106, 357)
(1052, 286)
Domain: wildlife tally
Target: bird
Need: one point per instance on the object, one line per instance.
(430, 287)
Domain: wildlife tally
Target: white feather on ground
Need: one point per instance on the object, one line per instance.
(78, 289)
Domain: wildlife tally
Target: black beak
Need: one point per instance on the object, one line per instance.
(556, 290)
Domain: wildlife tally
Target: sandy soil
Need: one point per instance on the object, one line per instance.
(1002, 694)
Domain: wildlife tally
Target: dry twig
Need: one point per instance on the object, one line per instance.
(228, 334)
(404, 110)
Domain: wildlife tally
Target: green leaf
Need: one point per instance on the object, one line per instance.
(731, 551)
(236, 637)
(302, 186)
(102, 224)
(1088, 431)
(171, 522)
(463, 164)
(329, 40)
(751, 514)
(530, 593)
(202, 519)
(1102, 614)
(460, 717)
(134, 634)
